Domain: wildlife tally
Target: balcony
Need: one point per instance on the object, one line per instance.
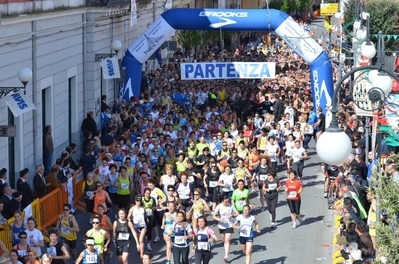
(113, 2)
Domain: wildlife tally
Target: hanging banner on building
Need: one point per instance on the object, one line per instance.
(133, 13)
(228, 70)
(19, 103)
(110, 68)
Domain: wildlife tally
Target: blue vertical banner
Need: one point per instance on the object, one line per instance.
(235, 20)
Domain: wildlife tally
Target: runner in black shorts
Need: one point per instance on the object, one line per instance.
(121, 235)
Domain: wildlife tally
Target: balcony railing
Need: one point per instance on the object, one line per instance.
(107, 2)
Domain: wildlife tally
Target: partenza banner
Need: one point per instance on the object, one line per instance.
(230, 20)
(228, 70)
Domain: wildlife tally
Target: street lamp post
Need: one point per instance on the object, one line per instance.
(24, 75)
(334, 145)
(116, 46)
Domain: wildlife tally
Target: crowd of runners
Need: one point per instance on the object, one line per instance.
(188, 152)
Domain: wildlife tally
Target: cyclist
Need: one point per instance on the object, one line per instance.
(331, 172)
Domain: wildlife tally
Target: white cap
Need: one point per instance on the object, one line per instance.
(89, 241)
(141, 102)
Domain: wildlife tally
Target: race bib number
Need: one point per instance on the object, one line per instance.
(203, 246)
(52, 251)
(148, 211)
(65, 231)
(213, 184)
(263, 177)
(244, 231)
(190, 179)
(22, 253)
(273, 186)
(89, 193)
(125, 186)
(241, 203)
(292, 194)
(138, 221)
(123, 236)
(97, 248)
(179, 240)
(91, 258)
(197, 214)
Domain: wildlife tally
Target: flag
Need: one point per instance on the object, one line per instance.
(158, 55)
(133, 13)
(19, 103)
(110, 68)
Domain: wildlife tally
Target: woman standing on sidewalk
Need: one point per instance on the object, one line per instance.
(271, 187)
(293, 188)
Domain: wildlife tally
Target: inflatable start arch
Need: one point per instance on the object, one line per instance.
(230, 19)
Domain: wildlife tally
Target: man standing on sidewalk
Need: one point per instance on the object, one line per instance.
(48, 148)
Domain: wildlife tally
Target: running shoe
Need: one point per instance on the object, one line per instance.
(299, 217)
(225, 259)
(253, 191)
(156, 239)
(167, 262)
(293, 226)
(149, 247)
(325, 195)
(273, 225)
(263, 209)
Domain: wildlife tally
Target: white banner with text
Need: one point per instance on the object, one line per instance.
(228, 70)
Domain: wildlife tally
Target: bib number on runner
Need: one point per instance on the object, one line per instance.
(190, 179)
(244, 231)
(148, 211)
(125, 186)
(292, 194)
(213, 184)
(179, 240)
(197, 214)
(202, 246)
(52, 251)
(263, 177)
(91, 258)
(89, 193)
(65, 231)
(123, 236)
(241, 203)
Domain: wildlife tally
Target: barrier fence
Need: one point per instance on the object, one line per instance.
(47, 209)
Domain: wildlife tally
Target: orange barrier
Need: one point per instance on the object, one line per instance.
(52, 206)
(5, 234)
(78, 193)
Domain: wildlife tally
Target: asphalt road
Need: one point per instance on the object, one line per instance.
(310, 242)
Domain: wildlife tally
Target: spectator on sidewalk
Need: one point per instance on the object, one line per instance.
(48, 148)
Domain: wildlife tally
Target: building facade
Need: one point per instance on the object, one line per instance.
(58, 40)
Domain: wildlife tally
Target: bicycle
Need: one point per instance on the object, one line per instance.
(331, 192)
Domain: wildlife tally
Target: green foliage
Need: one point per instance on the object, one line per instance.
(190, 39)
(384, 17)
(289, 6)
(387, 192)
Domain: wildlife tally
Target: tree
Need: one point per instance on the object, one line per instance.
(189, 39)
(384, 17)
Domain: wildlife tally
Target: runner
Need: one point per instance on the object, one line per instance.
(293, 188)
(55, 249)
(170, 197)
(137, 215)
(182, 233)
(240, 196)
(147, 257)
(100, 236)
(203, 235)
(158, 195)
(242, 173)
(199, 207)
(211, 178)
(226, 181)
(90, 255)
(244, 223)
(185, 190)
(150, 208)
(224, 214)
(298, 157)
(121, 236)
(167, 225)
(271, 187)
(273, 151)
(261, 176)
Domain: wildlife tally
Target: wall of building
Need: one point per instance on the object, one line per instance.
(60, 47)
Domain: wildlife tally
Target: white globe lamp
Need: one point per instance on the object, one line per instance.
(368, 49)
(384, 82)
(24, 75)
(372, 74)
(334, 147)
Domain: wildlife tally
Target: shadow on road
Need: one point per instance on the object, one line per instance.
(280, 260)
(310, 220)
(313, 183)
